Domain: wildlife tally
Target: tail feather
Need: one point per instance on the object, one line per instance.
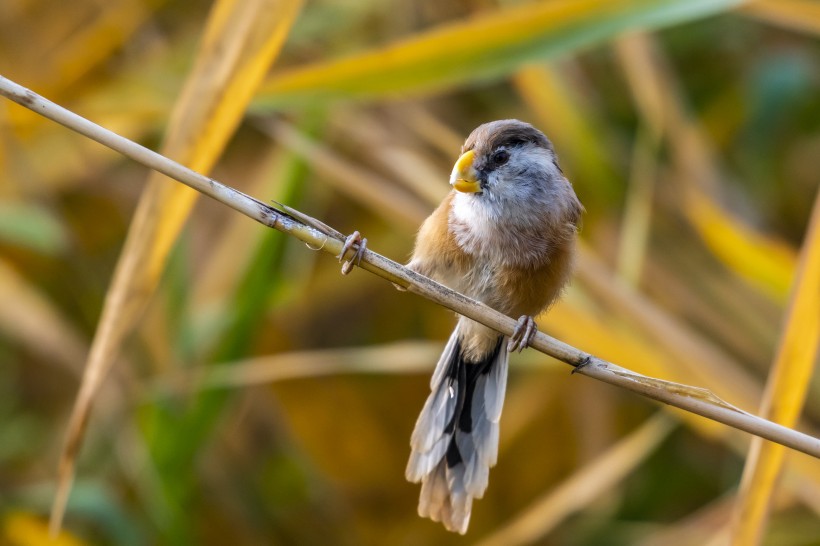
(445, 360)
(434, 492)
(461, 502)
(438, 411)
(496, 386)
(455, 441)
(422, 463)
(476, 472)
(486, 430)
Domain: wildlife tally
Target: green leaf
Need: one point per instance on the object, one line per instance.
(31, 227)
(486, 46)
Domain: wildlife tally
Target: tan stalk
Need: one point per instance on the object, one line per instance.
(693, 399)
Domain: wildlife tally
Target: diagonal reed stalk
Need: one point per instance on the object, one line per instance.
(693, 399)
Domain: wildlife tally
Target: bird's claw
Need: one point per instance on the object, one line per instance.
(523, 333)
(356, 241)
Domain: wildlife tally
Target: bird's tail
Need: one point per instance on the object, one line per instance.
(455, 441)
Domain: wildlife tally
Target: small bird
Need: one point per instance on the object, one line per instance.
(504, 236)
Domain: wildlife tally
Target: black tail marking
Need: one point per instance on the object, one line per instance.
(465, 375)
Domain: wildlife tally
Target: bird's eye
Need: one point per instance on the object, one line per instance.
(500, 157)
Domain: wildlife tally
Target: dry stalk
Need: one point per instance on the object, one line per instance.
(319, 236)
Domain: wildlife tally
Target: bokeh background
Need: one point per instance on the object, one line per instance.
(256, 396)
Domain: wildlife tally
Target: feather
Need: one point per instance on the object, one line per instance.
(461, 502)
(445, 360)
(422, 463)
(489, 443)
(436, 414)
(435, 495)
(455, 441)
(496, 385)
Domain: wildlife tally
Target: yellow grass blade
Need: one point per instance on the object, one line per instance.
(800, 15)
(484, 46)
(786, 389)
(240, 42)
(23, 529)
(762, 261)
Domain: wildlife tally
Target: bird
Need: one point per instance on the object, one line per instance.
(504, 235)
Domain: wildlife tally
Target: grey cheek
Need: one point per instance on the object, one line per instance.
(527, 179)
(522, 175)
(528, 173)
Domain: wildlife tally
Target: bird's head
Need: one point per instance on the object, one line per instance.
(506, 160)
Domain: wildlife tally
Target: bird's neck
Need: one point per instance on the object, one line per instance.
(483, 229)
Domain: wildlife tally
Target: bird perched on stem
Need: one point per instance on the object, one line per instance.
(504, 236)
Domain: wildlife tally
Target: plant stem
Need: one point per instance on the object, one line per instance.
(693, 399)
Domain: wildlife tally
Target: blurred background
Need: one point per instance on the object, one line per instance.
(256, 396)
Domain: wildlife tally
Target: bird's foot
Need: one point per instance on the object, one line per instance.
(523, 333)
(353, 242)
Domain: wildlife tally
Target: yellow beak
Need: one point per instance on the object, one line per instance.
(464, 177)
